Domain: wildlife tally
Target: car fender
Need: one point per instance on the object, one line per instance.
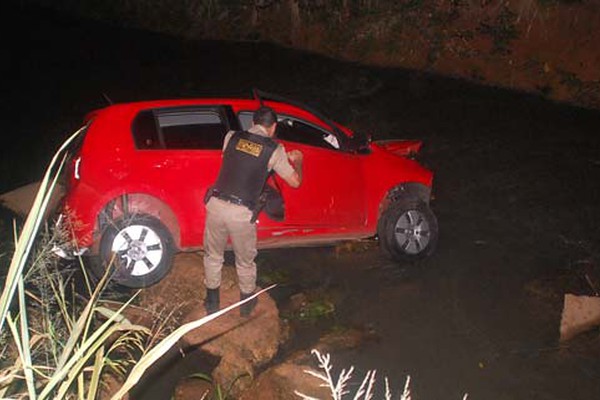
(407, 190)
(139, 203)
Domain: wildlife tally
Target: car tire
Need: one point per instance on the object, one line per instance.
(141, 249)
(408, 231)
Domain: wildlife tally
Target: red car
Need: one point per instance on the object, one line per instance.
(140, 173)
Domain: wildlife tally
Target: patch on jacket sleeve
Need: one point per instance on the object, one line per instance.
(248, 147)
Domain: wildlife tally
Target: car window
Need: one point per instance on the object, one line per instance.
(145, 133)
(245, 120)
(295, 130)
(191, 128)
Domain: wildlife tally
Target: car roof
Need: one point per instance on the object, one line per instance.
(238, 104)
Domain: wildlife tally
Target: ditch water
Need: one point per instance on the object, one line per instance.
(516, 187)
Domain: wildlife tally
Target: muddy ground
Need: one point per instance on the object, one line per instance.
(516, 195)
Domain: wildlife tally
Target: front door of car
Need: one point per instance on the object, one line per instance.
(331, 196)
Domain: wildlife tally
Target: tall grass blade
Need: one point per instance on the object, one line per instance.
(93, 342)
(81, 358)
(31, 227)
(27, 364)
(96, 373)
(82, 324)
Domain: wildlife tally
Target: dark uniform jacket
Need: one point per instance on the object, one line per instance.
(245, 168)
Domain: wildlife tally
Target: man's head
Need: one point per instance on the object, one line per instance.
(266, 117)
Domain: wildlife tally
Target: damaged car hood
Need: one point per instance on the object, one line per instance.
(402, 148)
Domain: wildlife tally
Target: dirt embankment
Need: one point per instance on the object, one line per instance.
(548, 47)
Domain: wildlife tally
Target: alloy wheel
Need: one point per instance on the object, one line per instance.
(412, 232)
(138, 249)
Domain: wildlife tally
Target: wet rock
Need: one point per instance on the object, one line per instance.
(243, 344)
(282, 381)
(297, 301)
(340, 339)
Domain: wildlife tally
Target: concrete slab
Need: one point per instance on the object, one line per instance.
(21, 199)
(580, 314)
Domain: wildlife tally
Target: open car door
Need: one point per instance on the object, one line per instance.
(331, 198)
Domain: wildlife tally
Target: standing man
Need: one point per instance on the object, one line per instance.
(248, 158)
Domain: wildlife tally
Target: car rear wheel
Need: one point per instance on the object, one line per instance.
(408, 230)
(140, 249)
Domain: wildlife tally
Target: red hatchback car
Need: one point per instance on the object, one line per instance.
(141, 170)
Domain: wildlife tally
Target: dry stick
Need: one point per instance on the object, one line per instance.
(592, 285)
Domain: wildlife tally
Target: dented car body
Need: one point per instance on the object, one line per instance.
(139, 176)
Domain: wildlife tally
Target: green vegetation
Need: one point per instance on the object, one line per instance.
(60, 343)
(312, 308)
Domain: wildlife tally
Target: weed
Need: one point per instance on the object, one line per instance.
(339, 387)
(312, 309)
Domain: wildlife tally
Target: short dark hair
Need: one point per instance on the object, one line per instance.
(264, 116)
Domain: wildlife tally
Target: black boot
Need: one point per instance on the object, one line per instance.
(246, 308)
(212, 301)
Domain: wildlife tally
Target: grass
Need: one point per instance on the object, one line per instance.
(55, 345)
(61, 344)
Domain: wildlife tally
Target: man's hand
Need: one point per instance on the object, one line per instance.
(295, 156)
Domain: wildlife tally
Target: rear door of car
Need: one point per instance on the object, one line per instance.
(182, 146)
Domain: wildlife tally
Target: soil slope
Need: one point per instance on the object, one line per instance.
(538, 46)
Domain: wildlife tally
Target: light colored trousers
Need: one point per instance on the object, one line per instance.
(226, 220)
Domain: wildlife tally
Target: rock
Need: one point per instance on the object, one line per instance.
(243, 344)
(580, 314)
(192, 389)
(21, 199)
(110, 386)
(281, 381)
(331, 342)
(297, 301)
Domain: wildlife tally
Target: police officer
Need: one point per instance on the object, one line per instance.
(248, 158)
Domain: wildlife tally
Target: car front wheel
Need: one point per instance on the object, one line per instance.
(140, 249)
(408, 230)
